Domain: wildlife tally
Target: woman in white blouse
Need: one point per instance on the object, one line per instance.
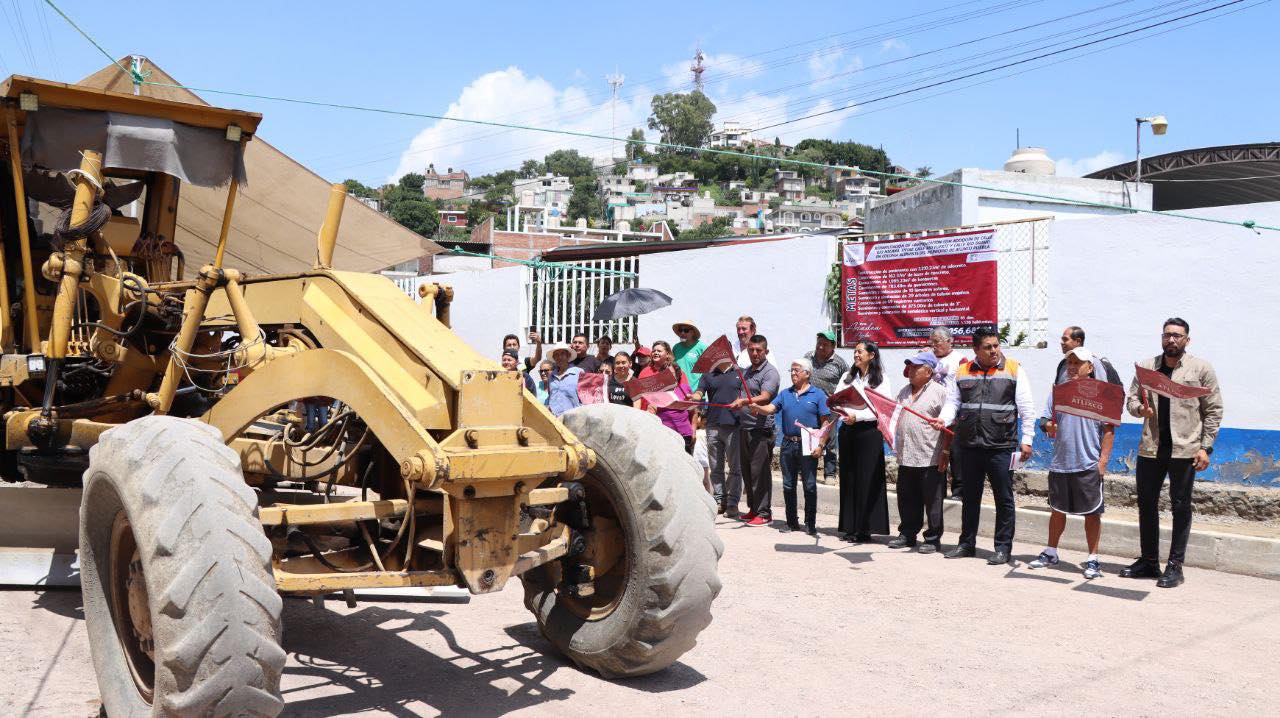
(864, 509)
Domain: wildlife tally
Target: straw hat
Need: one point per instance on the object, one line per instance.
(686, 323)
(560, 348)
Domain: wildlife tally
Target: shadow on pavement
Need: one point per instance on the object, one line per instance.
(676, 677)
(1127, 594)
(1014, 573)
(856, 558)
(801, 548)
(62, 600)
(363, 658)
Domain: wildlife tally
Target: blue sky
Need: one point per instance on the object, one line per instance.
(544, 64)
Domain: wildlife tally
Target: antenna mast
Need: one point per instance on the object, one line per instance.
(615, 81)
(697, 68)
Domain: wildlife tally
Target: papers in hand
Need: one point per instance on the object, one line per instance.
(811, 439)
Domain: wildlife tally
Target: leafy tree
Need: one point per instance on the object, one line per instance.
(569, 163)
(359, 189)
(923, 172)
(683, 119)
(418, 215)
(847, 153)
(716, 228)
(413, 180)
(585, 201)
(477, 213)
(637, 151)
(532, 168)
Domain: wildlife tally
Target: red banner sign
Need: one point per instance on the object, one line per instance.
(1158, 383)
(897, 292)
(662, 381)
(592, 388)
(1090, 398)
(719, 351)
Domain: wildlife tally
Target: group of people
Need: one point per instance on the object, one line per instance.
(971, 419)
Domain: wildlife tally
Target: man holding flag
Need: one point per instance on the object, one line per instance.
(994, 413)
(1177, 396)
(721, 385)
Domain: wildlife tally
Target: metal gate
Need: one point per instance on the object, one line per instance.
(562, 298)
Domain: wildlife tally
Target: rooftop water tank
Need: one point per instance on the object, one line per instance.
(1030, 160)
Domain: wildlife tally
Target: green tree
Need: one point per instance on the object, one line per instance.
(716, 228)
(569, 163)
(359, 189)
(532, 168)
(637, 151)
(585, 201)
(418, 215)
(412, 180)
(847, 153)
(924, 171)
(682, 119)
(477, 213)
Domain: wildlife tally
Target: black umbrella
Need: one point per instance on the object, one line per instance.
(629, 302)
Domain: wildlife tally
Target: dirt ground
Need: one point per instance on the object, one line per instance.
(802, 628)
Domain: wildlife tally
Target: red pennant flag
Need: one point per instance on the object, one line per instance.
(847, 398)
(591, 388)
(650, 383)
(887, 413)
(720, 350)
(1158, 383)
(1090, 398)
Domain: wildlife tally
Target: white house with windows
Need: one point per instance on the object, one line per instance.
(731, 135)
(807, 217)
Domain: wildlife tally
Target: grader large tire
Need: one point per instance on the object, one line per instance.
(179, 600)
(649, 608)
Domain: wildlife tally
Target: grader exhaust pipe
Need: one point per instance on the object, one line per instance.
(327, 238)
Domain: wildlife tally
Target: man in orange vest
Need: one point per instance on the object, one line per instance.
(994, 416)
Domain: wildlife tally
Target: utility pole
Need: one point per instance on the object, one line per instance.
(697, 68)
(615, 81)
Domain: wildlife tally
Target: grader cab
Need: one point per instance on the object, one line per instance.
(234, 437)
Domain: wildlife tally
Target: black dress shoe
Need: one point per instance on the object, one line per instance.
(999, 558)
(1172, 576)
(1142, 568)
(961, 552)
(812, 530)
(901, 542)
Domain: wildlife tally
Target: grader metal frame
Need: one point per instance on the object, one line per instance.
(193, 409)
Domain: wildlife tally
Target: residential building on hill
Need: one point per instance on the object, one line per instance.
(788, 184)
(450, 185)
(731, 135)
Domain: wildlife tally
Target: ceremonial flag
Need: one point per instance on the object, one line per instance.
(719, 351)
(810, 438)
(1158, 383)
(847, 398)
(1090, 398)
(591, 388)
(887, 413)
(662, 381)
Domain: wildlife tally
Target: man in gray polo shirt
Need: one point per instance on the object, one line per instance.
(828, 367)
(755, 434)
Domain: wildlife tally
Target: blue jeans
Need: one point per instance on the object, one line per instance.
(806, 467)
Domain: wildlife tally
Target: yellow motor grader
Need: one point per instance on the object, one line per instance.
(229, 438)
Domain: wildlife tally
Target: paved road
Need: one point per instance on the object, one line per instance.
(802, 628)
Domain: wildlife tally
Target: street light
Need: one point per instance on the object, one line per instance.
(1159, 126)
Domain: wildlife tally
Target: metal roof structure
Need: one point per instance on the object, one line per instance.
(1207, 177)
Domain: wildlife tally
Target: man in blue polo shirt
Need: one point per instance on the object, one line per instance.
(806, 404)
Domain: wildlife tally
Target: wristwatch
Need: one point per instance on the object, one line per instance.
(1208, 450)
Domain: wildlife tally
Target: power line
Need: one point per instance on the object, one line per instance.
(1007, 65)
(1248, 224)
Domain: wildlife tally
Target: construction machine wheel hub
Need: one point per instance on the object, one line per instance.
(130, 606)
(605, 553)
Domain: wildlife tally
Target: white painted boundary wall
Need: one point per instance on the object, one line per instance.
(487, 305)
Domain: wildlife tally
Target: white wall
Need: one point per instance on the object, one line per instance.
(781, 284)
(487, 305)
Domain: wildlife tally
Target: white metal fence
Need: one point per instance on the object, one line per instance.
(1022, 273)
(562, 299)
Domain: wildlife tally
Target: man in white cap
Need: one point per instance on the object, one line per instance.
(688, 349)
(1081, 449)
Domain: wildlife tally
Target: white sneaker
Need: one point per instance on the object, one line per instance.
(1043, 560)
(1092, 570)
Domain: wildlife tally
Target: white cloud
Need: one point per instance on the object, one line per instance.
(892, 43)
(826, 65)
(510, 96)
(1068, 167)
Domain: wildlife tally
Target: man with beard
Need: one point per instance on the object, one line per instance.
(1177, 440)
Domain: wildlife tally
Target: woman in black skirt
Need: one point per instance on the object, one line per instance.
(864, 509)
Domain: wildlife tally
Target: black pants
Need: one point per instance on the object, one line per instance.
(920, 492)
(1150, 479)
(755, 455)
(977, 466)
(954, 470)
(864, 505)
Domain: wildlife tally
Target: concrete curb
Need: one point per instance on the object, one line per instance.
(1232, 553)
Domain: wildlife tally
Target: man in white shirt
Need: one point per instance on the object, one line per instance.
(949, 361)
(994, 417)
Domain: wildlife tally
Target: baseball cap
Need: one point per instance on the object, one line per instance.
(828, 335)
(1082, 354)
(511, 353)
(643, 351)
(926, 358)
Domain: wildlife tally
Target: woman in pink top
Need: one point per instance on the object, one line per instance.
(678, 420)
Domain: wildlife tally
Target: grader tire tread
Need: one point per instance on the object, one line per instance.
(215, 610)
(677, 579)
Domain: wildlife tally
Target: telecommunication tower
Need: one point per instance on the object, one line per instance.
(697, 68)
(615, 81)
